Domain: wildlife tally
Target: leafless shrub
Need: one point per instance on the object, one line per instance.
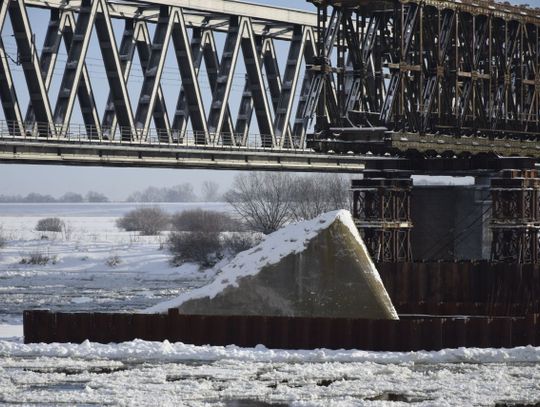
(38, 258)
(262, 199)
(198, 220)
(50, 225)
(203, 248)
(3, 238)
(113, 261)
(148, 221)
(235, 243)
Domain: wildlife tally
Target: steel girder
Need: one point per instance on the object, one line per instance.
(270, 94)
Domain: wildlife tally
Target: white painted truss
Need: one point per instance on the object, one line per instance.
(274, 100)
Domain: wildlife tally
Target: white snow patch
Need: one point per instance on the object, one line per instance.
(10, 331)
(145, 351)
(290, 239)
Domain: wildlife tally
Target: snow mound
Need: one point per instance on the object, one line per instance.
(292, 239)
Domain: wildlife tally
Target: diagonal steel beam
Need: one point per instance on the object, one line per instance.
(245, 111)
(49, 53)
(31, 67)
(137, 37)
(115, 74)
(161, 118)
(181, 114)
(126, 51)
(301, 121)
(61, 24)
(8, 96)
(227, 69)
(289, 86)
(84, 90)
(203, 48)
(256, 84)
(190, 84)
(74, 66)
(153, 72)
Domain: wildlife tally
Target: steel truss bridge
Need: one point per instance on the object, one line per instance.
(434, 76)
(434, 86)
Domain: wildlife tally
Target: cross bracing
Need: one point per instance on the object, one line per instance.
(436, 77)
(269, 105)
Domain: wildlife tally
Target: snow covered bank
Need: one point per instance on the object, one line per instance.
(166, 352)
(92, 266)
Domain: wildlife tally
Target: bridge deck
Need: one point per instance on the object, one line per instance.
(103, 153)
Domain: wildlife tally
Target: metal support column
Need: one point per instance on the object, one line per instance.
(516, 217)
(381, 210)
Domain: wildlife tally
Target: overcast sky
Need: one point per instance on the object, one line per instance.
(117, 183)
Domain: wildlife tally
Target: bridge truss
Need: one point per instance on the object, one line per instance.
(431, 76)
(405, 79)
(250, 32)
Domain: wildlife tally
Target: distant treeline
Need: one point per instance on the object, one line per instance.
(69, 197)
(209, 192)
(178, 193)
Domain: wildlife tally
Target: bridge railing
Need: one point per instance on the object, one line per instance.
(83, 134)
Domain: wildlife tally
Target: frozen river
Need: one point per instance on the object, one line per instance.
(79, 277)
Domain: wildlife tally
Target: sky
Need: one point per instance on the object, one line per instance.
(117, 183)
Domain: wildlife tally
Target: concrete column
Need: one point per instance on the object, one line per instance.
(451, 222)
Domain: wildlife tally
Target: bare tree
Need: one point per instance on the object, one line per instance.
(3, 239)
(93, 196)
(197, 220)
(210, 191)
(263, 200)
(316, 194)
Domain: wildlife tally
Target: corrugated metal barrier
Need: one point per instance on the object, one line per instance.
(407, 334)
(470, 288)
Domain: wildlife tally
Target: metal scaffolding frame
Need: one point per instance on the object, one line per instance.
(419, 75)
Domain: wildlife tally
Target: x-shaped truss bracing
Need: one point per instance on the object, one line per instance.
(437, 67)
(246, 48)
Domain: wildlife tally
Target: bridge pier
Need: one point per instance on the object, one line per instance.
(381, 209)
(400, 222)
(451, 222)
(516, 217)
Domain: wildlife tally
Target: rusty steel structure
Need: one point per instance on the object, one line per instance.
(281, 332)
(516, 217)
(381, 209)
(436, 77)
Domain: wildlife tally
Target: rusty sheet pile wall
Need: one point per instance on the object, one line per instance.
(468, 288)
(284, 332)
(456, 304)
